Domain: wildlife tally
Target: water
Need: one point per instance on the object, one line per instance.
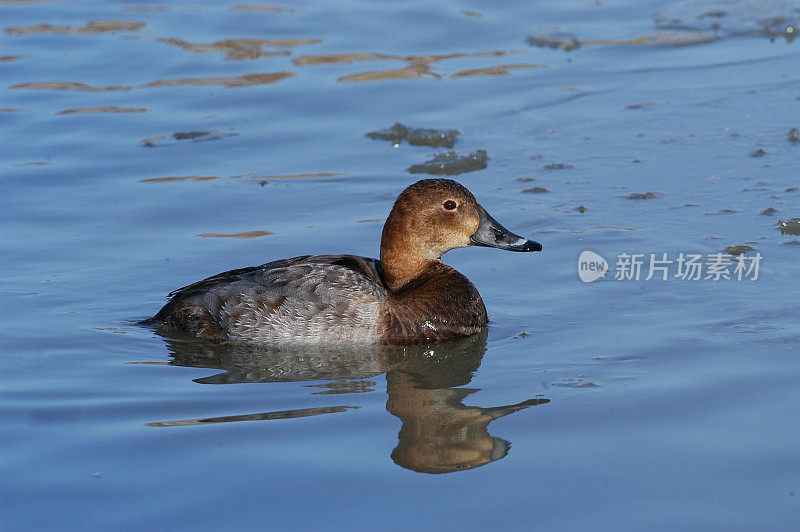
(626, 404)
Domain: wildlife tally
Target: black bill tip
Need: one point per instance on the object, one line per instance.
(491, 233)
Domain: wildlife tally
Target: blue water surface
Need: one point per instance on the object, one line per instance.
(148, 145)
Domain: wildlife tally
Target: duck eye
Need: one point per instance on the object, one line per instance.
(449, 205)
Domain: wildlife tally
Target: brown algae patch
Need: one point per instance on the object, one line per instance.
(327, 59)
(643, 195)
(93, 27)
(243, 234)
(67, 86)
(769, 211)
(411, 72)
(241, 49)
(335, 59)
(246, 80)
(500, 70)
(419, 66)
(107, 109)
(790, 227)
(450, 163)
(535, 190)
(433, 138)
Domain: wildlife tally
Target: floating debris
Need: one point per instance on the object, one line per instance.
(643, 196)
(769, 211)
(758, 153)
(577, 382)
(556, 166)
(794, 135)
(767, 18)
(394, 134)
(450, 163)
(722, 211)
(565, 42)
(680, 38)
(790, 227)
(536, 190)
(640, 105)
(738, 249)
(433, 138)
(191, 136)
(791, 189)
(581, 209)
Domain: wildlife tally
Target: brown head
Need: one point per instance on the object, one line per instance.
(431, 217)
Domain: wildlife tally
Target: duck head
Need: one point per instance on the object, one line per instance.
(431, 217)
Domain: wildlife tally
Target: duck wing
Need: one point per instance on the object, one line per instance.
(312, 296)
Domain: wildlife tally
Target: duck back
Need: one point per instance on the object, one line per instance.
(309, 299)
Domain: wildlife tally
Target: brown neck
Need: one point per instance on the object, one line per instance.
(402, 256)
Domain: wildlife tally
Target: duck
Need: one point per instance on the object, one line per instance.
(407, 297)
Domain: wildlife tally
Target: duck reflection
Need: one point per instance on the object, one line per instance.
(439, 434)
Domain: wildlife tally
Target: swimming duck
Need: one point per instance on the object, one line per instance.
(407, 297)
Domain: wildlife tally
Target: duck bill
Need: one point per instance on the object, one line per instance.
(491, 233)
